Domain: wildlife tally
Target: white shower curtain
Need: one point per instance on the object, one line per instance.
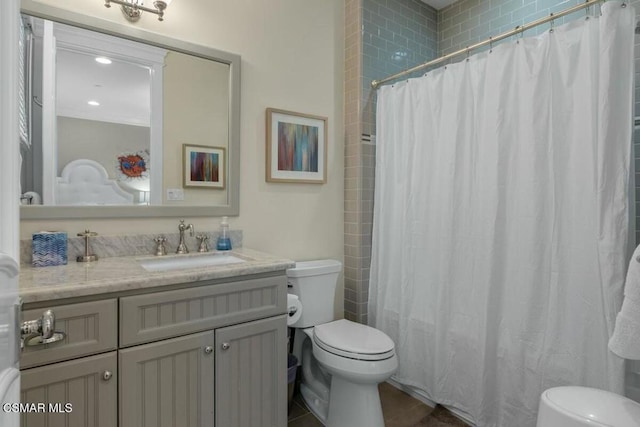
(501, 219)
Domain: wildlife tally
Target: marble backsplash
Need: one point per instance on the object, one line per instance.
(130, 245)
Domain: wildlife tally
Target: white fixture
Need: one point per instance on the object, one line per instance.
(175, 194)
(586, 407)
(93, 103)
(9, 211)
(167, 263)
(342, 361)
(103, 60)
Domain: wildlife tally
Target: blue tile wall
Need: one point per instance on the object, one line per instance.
(396, 35)
(470, 21)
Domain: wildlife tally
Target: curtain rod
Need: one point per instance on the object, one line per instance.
(519, 29)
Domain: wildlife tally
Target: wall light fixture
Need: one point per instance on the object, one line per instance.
(132, 9)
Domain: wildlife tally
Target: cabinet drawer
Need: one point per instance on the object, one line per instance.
(91, 327)
(151, 317)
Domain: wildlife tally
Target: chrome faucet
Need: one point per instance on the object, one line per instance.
(182, 247)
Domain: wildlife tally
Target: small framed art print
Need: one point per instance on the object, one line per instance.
(203, 167)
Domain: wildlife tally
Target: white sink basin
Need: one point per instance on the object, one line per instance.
(168, 263)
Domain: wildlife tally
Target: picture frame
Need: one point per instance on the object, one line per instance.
(203, 166)
(296, 147)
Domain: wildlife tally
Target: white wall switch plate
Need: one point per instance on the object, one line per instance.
(175, 194)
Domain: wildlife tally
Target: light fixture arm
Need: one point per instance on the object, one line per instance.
(132, 9)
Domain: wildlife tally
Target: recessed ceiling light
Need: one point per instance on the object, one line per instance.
(93, 103)
(103, 60)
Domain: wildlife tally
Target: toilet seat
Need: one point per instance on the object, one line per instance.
(353, 340)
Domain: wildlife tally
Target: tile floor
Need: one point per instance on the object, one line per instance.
(399, 410)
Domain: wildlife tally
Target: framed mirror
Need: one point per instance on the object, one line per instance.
(125, 123)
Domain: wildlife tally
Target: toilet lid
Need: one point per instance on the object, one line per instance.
(599, 407)
(353, 340)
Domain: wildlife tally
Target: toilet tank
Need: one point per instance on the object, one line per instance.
(314, 282)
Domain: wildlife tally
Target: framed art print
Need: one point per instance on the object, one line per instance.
(296, 147)
(203, 167)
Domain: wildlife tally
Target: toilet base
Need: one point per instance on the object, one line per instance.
(354, 405)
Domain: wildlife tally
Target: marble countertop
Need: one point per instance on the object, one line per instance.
(117, 274)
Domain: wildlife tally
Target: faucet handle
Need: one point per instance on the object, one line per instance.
(160, 248)
(203, 242)
(87, 233)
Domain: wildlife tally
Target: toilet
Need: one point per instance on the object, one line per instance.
(586, 407)
(342, 361)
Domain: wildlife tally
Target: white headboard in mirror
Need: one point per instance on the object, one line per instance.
(164, 166)
(85, 182)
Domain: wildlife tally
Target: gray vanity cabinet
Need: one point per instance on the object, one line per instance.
(251, 375)
(168, 383)
(197, 354)
(89, 384)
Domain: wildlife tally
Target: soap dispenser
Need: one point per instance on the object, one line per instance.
(224, 239)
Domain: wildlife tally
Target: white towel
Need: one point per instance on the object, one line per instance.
(625, 341)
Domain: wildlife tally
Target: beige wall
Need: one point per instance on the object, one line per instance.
(196, 112)
(292, 58)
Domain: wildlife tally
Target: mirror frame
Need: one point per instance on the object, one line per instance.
(33, 8)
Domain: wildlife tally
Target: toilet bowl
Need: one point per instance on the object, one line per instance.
(342, 361)
(586, 407)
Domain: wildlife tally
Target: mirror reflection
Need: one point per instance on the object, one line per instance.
(105, 120)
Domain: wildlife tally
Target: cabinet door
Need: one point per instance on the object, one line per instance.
(168, 383)
(88, 384)
(251, 374)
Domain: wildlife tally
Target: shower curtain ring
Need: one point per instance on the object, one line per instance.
(490, 44)
(551, 23)
(624, 4)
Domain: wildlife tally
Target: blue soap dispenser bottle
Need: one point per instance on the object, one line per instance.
(224, 239)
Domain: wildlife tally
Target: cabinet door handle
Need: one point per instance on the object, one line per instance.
(43, 329)
(226, 346)
(208, 350)
(37, 339)
(106, 375)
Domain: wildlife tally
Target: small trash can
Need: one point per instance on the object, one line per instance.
(292, 367)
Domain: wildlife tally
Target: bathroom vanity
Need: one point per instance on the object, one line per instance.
(183, 347)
